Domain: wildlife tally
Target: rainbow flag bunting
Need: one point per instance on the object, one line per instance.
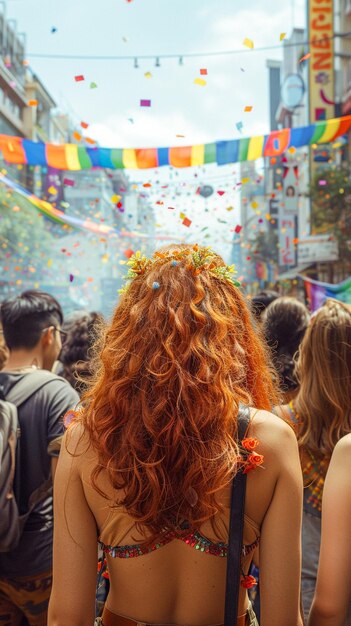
(76, 157)
(318, 292)
(75, 222)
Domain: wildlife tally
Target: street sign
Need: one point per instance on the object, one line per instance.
(317, 249)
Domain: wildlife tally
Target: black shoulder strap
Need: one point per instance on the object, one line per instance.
(236, 530)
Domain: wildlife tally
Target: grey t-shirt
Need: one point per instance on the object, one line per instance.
(40, 419)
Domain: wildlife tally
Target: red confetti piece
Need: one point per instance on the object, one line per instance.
(69, 182)
(186, 222)
(84, 125)
(238, 228)
(203, 71)
(119, 205)
(145, 103)
(128, 253)
(79, 78)
(147, 185)
(221, 193)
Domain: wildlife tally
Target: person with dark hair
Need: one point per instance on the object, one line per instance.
(149, 460)
(284, 323)
(260, 301)
(32, 331)
(76, 353)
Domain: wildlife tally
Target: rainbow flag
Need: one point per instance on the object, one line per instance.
(318, 292)
(76, 157)
(75, 222)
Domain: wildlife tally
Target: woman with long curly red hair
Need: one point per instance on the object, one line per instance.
(148, 462)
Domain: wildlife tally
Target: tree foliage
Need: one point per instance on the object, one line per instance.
(25, 239)
(330, 193)
(265, 246)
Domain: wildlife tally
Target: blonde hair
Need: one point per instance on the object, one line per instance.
(324, 373)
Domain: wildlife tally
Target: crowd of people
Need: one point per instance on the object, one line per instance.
(116, 500)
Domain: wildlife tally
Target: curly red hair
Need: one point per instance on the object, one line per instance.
(175, 363)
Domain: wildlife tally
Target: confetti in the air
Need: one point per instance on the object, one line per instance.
(305, 57)
(248, 43)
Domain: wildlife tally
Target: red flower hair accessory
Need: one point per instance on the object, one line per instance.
(250, 443)
(248, 582)
(253, 461)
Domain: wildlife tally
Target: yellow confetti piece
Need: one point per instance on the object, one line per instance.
(230, 208)
(115, 198)
(52, 190)
(282, 36)
(254, 204)
(268, 216)
(182, 216)
(292, 150)
(248, 109)
(148, 75)
(105, 258)
(50, 262)
(200, 81)
(244, 181)
(248, 43)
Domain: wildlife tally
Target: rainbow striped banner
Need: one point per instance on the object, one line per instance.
(74, 157)
(75, 222)
(318, 292)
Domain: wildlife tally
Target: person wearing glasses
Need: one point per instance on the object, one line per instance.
(31, 324)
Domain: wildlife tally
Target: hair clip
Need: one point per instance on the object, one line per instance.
(155, 285)
(174, 263)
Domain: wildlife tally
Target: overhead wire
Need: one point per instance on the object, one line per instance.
(182, 55)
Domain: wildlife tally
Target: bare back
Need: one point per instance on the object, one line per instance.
(178, 583)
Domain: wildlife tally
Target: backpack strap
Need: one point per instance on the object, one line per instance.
(236, 529)
(24, 389)
(28, 386)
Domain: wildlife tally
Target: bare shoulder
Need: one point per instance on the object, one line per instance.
(276, 437)
(342, 453)
(76, 446)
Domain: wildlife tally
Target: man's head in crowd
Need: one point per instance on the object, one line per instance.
(31, 325)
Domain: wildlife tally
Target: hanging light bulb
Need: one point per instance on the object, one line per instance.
(157, 63)
(180, 61)
(136, 64)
